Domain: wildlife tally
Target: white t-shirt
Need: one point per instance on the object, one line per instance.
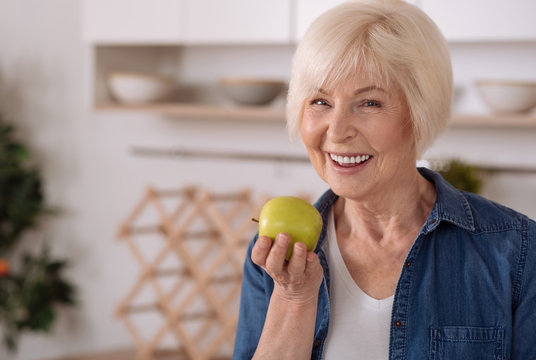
(359, 325)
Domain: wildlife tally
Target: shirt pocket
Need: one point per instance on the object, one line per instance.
(466, 343)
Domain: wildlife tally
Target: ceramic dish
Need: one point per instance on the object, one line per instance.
(251, 91)
(132, 88)
(509, 97)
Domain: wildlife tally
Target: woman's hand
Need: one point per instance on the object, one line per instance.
(297, 280)
(289, 326)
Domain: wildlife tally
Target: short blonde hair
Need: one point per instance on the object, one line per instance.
(391, 41)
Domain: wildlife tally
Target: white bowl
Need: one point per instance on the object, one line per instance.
(251, 91)
(508, 97)
(135, 88)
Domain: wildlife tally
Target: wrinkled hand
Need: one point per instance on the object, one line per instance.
(297, 280)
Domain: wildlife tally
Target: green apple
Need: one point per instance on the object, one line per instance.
(294, 216)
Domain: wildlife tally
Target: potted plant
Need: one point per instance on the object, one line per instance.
(461, 175)
(31, 284)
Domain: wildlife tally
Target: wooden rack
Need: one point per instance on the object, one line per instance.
(207, 236)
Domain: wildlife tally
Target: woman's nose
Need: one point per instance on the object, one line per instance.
(341, 128)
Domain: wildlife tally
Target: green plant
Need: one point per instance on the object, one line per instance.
(27, 297)
(21, 199)
(462, 175)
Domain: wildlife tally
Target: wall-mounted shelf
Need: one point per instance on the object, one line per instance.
(494, 121)
(277, 114)
(202, 111)
(178, 153)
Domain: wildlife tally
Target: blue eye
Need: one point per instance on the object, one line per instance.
(319, 102)
(371, 103)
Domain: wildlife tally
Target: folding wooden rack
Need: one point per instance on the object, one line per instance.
(205, 236)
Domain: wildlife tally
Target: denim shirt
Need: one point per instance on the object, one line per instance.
(467, 289)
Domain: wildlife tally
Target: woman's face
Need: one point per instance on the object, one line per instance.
(359, 138)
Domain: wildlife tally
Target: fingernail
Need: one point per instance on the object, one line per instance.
(283, 240)
(299, 249)
(264, 242)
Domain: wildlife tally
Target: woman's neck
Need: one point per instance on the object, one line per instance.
(395, 213)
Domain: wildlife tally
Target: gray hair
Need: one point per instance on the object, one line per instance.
(390, 41)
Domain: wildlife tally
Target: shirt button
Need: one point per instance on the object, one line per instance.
(433, 221)
(317, 343)
(408, 263)
(398, 323)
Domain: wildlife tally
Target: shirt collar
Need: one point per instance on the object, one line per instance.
(450, 205)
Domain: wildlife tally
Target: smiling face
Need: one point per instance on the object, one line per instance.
(359, 138)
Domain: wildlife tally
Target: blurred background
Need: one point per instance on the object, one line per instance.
(115, 97)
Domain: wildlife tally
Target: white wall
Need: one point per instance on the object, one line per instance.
(41, 93)
(90, 174)
(494, 147)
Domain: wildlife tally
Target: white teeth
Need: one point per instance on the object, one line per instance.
(341, 160)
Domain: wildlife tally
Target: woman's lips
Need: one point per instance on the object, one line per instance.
(349, 160)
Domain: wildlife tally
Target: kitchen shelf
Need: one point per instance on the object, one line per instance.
(277, 114)
(202, 111)
(185, 153)
(524, 121)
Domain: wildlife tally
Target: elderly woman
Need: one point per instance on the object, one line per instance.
(406, 267)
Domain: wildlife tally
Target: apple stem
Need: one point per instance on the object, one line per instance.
(254, 220)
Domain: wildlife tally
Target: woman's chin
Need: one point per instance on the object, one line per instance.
(351, 190)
